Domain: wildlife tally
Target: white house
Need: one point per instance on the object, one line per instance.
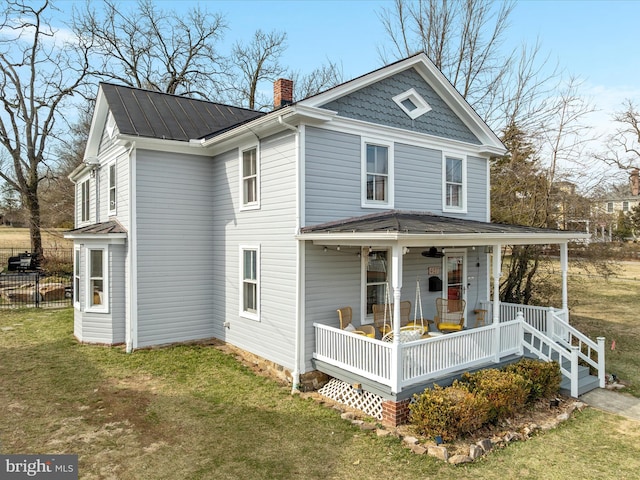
(197, 220)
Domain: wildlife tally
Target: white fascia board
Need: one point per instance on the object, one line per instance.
(160, 144)
(400, 135)
(269, 124)
(438, 240)
(110, 238)
(98, 121)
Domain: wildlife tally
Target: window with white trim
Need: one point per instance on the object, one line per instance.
(610, 207)
(84, 203)
(250, 282)
(377, 174)
(250, 178)
(76, 277)
(412, 103)
(454, 183)
(625, 206)
(97, 279)
(112, 188)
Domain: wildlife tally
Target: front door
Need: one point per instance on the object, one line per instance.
(455, 277)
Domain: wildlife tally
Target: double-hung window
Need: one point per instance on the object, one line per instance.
(454, 183)
(250, 282)
(97, 278)
(84, 203)
(377, 174)
(112, 188)
(250, 179)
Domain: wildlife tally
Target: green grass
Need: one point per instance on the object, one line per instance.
(193, 412)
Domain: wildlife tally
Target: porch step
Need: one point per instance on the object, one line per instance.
(585, 384)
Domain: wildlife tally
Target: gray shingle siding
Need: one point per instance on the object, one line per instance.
(374, 104)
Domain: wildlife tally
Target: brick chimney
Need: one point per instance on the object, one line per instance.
(282, 93)
(635, 182)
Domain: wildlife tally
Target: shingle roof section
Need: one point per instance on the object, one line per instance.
(152, 114)
(419, 223)
(112, 226)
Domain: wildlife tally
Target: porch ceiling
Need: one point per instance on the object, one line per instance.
(410, 228)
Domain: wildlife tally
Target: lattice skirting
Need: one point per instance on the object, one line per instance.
(342, 392)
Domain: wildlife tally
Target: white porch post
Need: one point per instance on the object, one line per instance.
(564, 265)
(497, 260)
(396, 284)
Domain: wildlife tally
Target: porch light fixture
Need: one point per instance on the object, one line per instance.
(325, 249)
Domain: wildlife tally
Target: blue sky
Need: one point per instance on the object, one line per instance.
(595, 41)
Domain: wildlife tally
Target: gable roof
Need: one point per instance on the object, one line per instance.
(160, 115)
(434, 78)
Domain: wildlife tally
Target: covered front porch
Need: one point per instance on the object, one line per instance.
(396, 369)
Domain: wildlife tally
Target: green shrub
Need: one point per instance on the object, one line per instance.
(449, 412)
(507, 392)
(544, 377)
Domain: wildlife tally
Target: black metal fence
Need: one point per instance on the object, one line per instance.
(35, 289)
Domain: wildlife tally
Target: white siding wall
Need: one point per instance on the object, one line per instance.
(175, 247)
(333, 179)
(272, 227)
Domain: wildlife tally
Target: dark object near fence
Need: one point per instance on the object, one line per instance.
(22, 263)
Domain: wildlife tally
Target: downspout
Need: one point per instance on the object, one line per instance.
(131, 316)
(295, 380)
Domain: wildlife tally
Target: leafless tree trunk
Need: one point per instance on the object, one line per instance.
(39, 74)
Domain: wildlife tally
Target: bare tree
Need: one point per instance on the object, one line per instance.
(153, 49)
(326, 76)
(462, 38)
(257, 61)
(623, 146)
(39, 74)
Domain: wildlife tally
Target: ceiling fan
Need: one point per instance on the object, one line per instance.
(432, 253)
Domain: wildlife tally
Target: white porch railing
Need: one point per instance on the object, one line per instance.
(401, 365)
(537, 317)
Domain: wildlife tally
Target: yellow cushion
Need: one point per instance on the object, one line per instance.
(450, 326)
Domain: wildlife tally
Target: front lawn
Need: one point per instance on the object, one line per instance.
(193, 412)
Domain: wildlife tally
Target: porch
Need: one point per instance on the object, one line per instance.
(395, 371)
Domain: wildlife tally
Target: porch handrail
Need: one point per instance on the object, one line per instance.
(544, 347)
(568, 336)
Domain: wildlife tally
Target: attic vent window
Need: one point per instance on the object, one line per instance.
(412, 103)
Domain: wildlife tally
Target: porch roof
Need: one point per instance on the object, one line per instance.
(424, 228)
(111, 230)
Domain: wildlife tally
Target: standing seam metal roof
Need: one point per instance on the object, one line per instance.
(147, 113)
